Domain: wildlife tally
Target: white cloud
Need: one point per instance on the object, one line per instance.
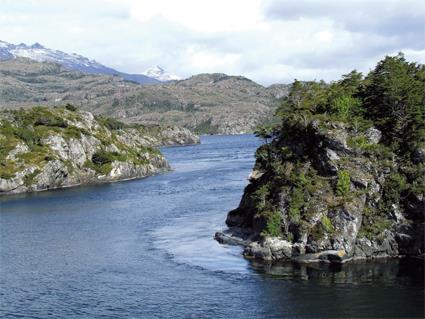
(266, 40)
(204, 61)
(202, 16)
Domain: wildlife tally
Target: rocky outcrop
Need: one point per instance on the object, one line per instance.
(327, 193)
(176, 135)
(44, 149)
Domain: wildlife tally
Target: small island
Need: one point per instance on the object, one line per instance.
(341, 174)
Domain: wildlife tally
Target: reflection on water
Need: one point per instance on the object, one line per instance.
(377, 272)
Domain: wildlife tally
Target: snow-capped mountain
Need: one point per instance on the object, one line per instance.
(73, 61)
(160, 74)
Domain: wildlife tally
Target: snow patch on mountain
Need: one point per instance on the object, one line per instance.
(160, 74)
(73, 61)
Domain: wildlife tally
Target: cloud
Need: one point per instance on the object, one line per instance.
(267, 40)
(202, 16)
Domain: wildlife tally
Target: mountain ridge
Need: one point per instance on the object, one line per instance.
(206, 103)
(76, 62)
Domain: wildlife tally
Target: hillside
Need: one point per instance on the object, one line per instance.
(43, 148)
(342, 176)
(73, 62)
(206, 103)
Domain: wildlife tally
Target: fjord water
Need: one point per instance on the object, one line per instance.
(145, 249)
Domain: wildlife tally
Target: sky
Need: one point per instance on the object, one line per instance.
(269, 41)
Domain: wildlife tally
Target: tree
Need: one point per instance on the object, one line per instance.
(393, 97)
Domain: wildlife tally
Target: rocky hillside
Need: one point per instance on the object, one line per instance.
(43, 148)
(342, 175)
(206, 103)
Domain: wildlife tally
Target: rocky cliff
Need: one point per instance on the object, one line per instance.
(338, 179)
(45, 148)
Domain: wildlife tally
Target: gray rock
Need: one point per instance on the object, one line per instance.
(373, 135)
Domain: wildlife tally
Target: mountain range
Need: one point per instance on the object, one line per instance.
(206, 103)
(76, 62)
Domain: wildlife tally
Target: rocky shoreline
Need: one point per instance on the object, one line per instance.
(275, 249)
(45, 149)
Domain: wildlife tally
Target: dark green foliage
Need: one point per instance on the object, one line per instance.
(111, 123)
(265, 132)
(104, 157)
(72, 132)
(274, 224)
(296, 203)
(374, 223)
(71, 107)
(395, 185)
(393, 97)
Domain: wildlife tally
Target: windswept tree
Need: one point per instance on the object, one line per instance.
(393, 97)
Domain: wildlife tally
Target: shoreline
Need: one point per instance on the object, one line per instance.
(90, 183)
(257, 250)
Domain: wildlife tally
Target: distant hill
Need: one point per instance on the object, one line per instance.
(206, 103)
(75, 62)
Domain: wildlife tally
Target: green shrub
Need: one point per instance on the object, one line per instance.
(71, 107)
(295, 205)
(327, 224)
(29, 178)
(50, 120)
(111, 123)
(260, 197)
(103, 157)
(343, 106)
(373, 224)
(72, 132)
(343, 183)
(274, 224)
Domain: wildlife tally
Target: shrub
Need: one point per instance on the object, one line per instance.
(295, 205)
(327, 224)
(102, 157)
(342, 106)
(260, 197)
(111, 123)
(29, 178)
(274, 224)
(343, 184)
(71, 107)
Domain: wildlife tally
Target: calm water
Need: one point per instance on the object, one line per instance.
(144, 249)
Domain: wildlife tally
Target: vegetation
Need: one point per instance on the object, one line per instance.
(273, 226)
(32, 129)
(343, 184)
(390, 98)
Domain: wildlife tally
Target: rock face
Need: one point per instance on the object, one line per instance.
(324, 192)
(42, 149)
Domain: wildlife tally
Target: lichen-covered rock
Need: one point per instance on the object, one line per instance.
(373, 135)
(44, 148)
